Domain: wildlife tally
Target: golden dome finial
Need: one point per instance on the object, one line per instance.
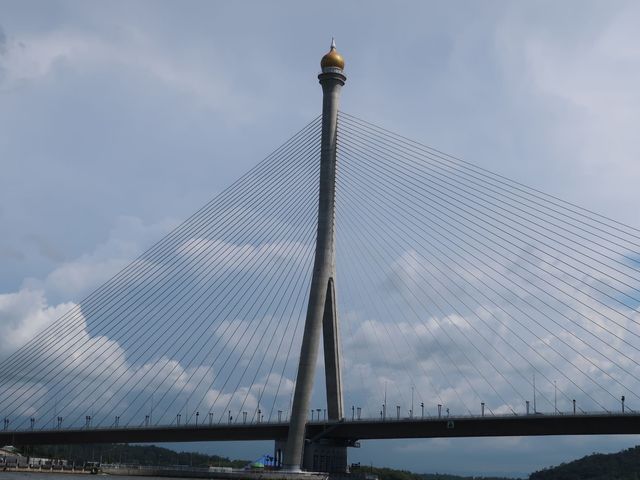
(332, 59)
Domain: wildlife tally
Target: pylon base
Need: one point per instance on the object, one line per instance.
(324, 455)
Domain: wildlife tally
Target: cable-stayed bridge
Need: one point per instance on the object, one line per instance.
(447, 301)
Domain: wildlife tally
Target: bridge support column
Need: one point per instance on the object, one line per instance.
(324, 455)
(321, 310)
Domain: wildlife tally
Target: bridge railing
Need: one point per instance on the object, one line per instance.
(377, 419)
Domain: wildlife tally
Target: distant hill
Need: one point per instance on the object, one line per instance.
(131, 454)
(623, 465)
(392, 474)
(159, 456)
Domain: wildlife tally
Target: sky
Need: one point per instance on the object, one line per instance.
(120, 119)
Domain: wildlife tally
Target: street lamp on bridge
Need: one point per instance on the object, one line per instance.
(411, 411)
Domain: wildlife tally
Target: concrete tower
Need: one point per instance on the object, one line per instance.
(321, 311)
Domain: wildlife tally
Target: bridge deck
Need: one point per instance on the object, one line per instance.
(494, 426)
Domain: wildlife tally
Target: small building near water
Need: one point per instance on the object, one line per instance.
(10, 457)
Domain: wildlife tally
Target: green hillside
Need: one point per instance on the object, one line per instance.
(393, 474)
(131, 454)
(623, 465)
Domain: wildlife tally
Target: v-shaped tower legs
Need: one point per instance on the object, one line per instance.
(331, 337)
(321, 311)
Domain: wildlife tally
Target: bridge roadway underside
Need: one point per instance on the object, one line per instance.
(499, 426)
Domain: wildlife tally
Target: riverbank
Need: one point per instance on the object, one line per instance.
(44, 471)
(217, 473)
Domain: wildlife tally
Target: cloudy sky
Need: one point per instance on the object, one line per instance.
(120, 119)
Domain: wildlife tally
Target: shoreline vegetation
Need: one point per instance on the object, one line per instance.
(154, 456)
(146, 455)
(623, 465)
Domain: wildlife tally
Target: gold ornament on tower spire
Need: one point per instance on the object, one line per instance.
(332, 59)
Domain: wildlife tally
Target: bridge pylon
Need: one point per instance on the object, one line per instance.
(321, 310)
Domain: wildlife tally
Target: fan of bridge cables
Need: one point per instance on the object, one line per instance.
(456, 288)
(202, 327)
(461, 287)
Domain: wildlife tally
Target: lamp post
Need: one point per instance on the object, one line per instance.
(412, 389)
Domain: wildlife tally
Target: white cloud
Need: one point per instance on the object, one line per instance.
(23, 314)
(36, 56)
(100, 370)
